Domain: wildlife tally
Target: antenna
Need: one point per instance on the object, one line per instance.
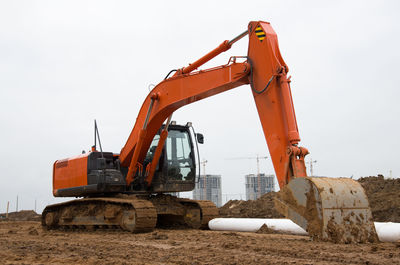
(97, 135)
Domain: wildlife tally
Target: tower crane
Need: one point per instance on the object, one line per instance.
(203, 163)
(257, 158)
(311, 163)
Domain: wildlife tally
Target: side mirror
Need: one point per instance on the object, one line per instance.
(200, 138)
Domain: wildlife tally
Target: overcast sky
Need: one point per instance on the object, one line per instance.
(65, 63)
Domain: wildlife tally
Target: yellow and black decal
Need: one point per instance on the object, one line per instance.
(260, 33)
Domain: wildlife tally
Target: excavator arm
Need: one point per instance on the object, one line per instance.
(329, 209)
(264, 70)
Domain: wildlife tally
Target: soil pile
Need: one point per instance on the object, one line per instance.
(384, 197)
(260, 208)
(26, 215)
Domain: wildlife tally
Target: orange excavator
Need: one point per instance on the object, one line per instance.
(130, 190)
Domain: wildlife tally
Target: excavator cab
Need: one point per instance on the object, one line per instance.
(176, 169)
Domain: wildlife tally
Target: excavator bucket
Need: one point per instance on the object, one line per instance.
(329, 209)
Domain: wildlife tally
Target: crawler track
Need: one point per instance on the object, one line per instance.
(208, 211)
(130, 213)
(133, 214)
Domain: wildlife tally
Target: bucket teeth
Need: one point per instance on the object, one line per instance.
(329, 209)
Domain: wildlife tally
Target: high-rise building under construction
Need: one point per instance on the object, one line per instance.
(265, 182)
(209, 188)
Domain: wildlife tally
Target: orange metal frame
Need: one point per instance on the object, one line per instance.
(264, 70)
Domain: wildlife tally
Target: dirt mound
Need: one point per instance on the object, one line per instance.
(25, 215)
(264, 229)
(260, 208)
(384, 197)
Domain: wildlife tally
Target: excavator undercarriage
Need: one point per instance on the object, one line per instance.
(130, 212)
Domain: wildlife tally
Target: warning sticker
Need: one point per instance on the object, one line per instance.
(260, 33)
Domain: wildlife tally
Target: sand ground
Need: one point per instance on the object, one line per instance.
(25, 242)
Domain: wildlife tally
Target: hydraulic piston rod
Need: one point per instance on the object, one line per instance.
(224, 46)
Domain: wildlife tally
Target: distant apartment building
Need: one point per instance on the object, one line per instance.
(266, 182)
(209, 188)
